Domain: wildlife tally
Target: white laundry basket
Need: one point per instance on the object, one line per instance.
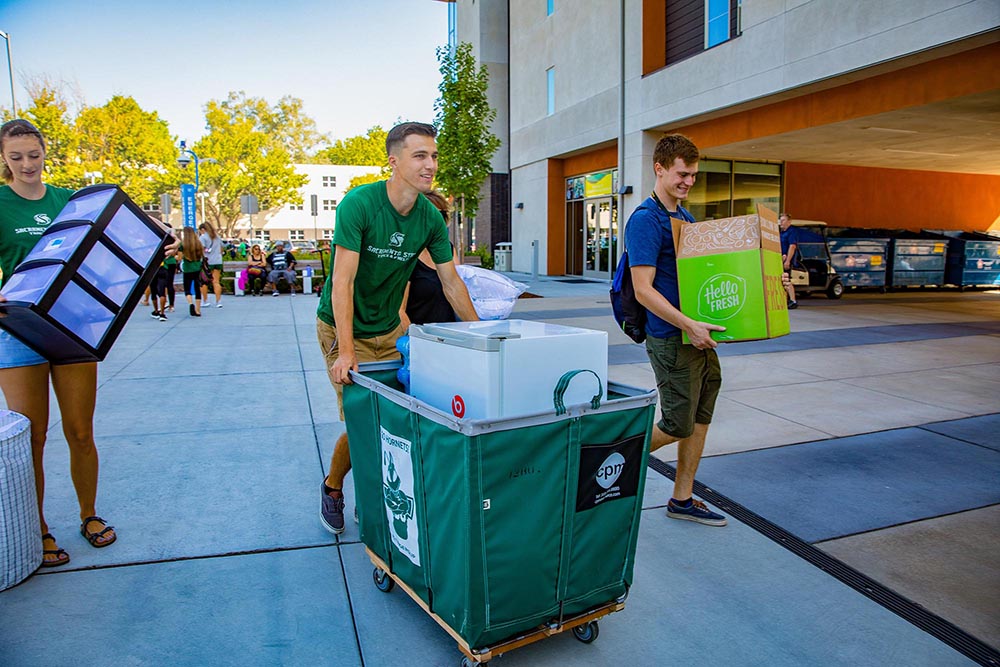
(19, 532)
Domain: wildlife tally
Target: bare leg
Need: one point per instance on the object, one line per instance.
(26, 390)
(217, 284)
(689, 452)
(340, 463)
(75, 386)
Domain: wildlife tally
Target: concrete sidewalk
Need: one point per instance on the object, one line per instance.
(215, 432)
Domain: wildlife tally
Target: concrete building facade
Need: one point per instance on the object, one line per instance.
(871, 114)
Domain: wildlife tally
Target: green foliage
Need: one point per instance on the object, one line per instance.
(285, 121)
(364, 150)
(130, 147)
(252, 157)
(485, 257)
(364, 179)
(48, 111)
(463, 118)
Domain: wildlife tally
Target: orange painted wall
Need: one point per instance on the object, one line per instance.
(845, 196)
(973, 71)
(558, 171)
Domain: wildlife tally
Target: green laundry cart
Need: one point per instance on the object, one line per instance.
(504, 531)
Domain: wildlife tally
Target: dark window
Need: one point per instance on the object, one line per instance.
(687, 32)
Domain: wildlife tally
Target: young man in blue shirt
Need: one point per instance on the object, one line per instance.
(688, 377)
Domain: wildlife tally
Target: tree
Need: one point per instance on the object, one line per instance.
(49, 112)
(363, 150)
(285, 122)
(129, 147)
(250, 158)
(463, 118)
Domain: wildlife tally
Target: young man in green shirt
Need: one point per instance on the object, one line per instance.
(381, 229)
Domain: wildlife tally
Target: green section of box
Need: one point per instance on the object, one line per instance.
(737, 290)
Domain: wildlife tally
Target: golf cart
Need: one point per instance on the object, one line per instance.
(812, 268)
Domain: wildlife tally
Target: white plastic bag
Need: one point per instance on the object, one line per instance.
(493, 294)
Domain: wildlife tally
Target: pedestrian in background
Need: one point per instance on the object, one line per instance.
(192, 252)
(213, 252)
(789, 246)
(27, 207)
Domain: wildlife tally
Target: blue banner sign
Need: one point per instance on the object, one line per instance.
(187, 204)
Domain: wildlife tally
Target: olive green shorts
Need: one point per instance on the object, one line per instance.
(688, 381)
(379, 348)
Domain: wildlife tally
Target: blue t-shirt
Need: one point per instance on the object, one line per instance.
(788, 237)
(649, 241)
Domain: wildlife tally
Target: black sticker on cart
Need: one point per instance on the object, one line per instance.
(609, 472)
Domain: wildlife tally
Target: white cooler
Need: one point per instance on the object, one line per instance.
(505, 368)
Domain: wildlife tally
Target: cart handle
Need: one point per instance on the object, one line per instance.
(563, 384)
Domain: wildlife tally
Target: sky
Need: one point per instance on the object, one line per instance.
(353, 63)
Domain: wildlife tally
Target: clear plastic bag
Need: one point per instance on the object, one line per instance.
(493, 294)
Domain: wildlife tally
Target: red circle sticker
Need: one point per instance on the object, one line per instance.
(458, 406)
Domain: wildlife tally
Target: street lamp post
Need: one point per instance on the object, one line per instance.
(10, 70)
(186, 157)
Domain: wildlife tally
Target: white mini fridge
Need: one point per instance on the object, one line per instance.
(505, 368)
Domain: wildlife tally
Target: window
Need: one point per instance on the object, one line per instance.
(329, 181)
(716, 22)
(328, 234)
(329, 204)
(151, 207)
(550, 81)
(550, 7)
(691, 27)
(295, 207)
(260, 235)
(296, 235)
(725, 188)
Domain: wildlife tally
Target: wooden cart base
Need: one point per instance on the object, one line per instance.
(584, 626)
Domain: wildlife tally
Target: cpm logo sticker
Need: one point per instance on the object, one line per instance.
(458, 406)
(722, 296)
(609, 471)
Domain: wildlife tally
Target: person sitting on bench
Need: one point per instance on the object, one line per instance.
(281, 263)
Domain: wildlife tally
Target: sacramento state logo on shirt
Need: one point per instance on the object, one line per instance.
(43, 219)
(396, 239)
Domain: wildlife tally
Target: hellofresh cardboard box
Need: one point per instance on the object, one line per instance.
(729, 273)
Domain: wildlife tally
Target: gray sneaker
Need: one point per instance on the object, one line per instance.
(697, 512)
(332, 512)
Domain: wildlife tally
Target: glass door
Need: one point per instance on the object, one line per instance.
(600, 236)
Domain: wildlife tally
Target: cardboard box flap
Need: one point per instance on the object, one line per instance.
(770, 230)
(714, 236)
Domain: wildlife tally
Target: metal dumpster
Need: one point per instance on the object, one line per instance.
(916, 261)
(973, 258)
(443, 506)
(859, 257)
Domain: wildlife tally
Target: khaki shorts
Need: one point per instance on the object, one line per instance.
(688, 381)
(379, 348)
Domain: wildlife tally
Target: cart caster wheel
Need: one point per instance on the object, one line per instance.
(469, 663)
(383, 581)
(587, 632)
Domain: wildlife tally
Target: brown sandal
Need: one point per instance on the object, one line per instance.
(94, 538)
(61, 556)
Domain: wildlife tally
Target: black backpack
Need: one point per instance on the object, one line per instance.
(628, 312)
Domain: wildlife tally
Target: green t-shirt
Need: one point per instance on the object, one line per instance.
(23, 221)
(388, 244)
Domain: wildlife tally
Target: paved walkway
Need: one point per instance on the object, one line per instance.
(857, 458)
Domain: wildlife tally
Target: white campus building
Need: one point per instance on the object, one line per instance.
(296, 222)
